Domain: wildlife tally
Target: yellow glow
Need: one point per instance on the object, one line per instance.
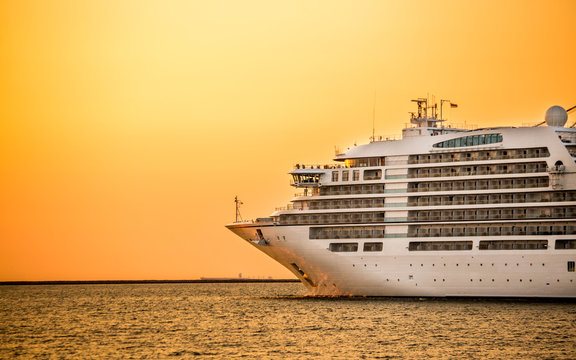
(127, 127)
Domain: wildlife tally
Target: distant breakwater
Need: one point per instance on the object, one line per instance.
(104, 282)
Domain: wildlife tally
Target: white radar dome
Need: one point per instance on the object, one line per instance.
(556, 116)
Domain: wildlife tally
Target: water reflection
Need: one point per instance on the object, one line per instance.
(272, 321)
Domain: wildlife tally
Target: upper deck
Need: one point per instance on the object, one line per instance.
(430, 141)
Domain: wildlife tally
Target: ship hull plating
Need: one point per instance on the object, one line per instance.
(397, 272)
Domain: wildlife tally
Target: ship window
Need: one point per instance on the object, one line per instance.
(373, 246)
(355, 175)
(345, 174)
(470, 141)
(439, 245)
(372, 174)
(514, 245)
(302, 179)
(343, 247)
(565, 244)
(334, 175)
(571, 266)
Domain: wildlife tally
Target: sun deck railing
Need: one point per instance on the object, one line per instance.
(319, 166)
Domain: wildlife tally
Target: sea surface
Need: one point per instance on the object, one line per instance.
(271, 321)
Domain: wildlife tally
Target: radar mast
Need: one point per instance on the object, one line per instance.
(238, 203)
(421, 118)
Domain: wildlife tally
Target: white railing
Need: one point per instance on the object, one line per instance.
(317, 166)
(394, 137)
(290, 207)
(449, 126)
(308, 193)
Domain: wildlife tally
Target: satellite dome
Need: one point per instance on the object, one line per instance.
(556, 116)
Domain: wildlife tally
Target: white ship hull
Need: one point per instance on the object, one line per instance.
(397, 272)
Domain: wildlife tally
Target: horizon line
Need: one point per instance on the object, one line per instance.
(120, 282)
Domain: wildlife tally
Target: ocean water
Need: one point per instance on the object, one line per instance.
(271, 321)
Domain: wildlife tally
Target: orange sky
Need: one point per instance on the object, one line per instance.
(127, 127)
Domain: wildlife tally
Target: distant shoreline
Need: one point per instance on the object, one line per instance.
(112, 282)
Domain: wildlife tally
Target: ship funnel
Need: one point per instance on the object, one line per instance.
(556, 116)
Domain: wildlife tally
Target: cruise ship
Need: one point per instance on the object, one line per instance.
(441, 212)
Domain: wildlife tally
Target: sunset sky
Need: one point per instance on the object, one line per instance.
(127, 127)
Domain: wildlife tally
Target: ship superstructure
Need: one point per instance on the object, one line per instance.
(489, 212)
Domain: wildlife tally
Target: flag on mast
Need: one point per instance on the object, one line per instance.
(452, 105)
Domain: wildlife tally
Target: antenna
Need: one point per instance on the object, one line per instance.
(452, 105)
(336, 150)
(442, 101)
(238, 203)
(374, 117)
